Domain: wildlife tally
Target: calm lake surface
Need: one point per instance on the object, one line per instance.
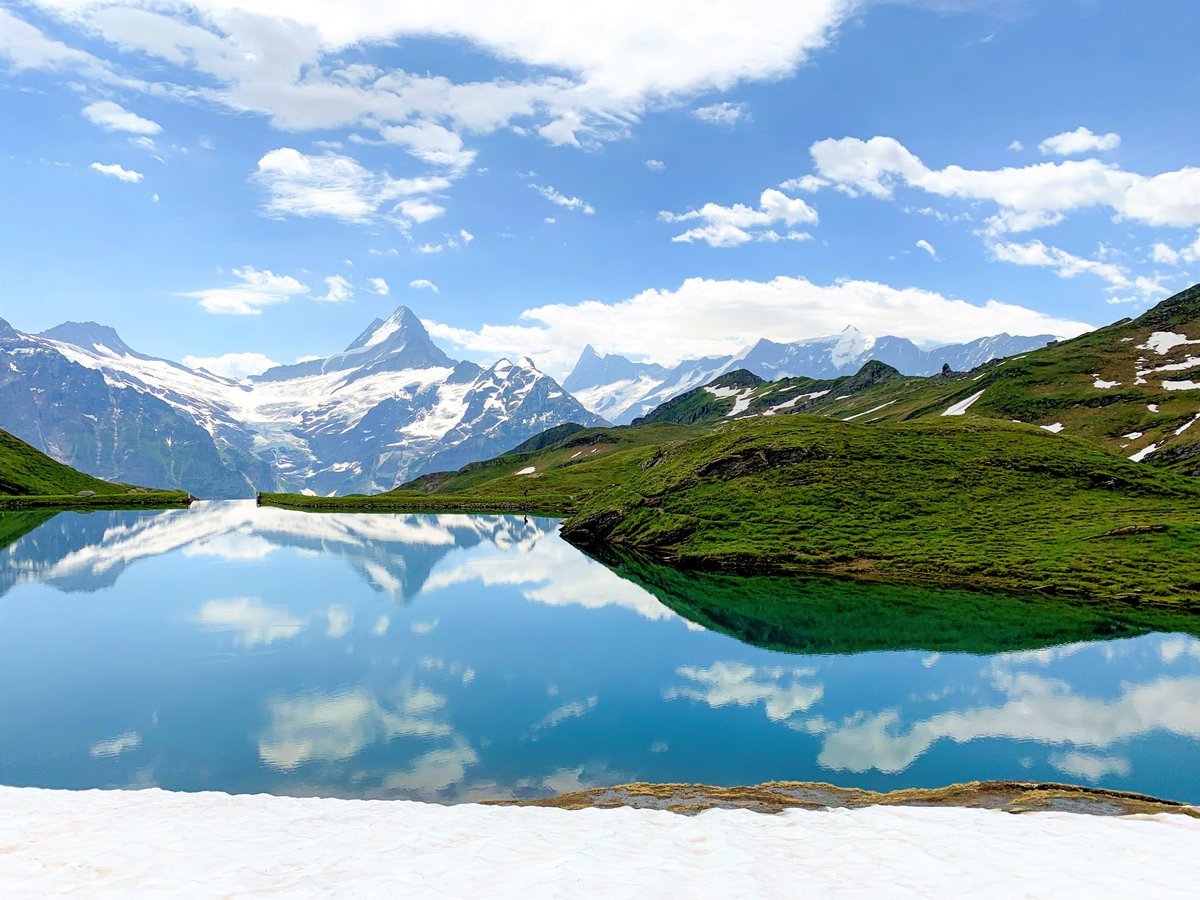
(454, 658)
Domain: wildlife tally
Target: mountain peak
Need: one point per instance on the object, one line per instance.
(400, 329)
(89, 336)
(6, 330)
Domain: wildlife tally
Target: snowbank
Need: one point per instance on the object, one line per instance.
(117, 843)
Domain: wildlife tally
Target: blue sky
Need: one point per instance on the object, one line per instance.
(237, 181)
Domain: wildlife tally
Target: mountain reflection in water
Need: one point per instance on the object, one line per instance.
(452, 658)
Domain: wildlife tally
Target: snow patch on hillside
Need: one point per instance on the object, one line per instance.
(962, 405)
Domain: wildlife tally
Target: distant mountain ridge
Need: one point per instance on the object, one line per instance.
(387, 408)
(621, 390)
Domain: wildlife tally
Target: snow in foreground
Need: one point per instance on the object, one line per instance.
(117, 843)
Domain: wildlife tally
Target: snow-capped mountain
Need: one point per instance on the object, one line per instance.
(389, 407)
(621, 391)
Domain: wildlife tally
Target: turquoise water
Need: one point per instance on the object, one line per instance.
(453, 658)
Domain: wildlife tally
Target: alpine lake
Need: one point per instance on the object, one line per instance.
(453, 658)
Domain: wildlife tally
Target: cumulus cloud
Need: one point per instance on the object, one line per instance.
(337, 186)
(423, 284)
(113, 117)
(378, 287)
(560, 199)
(232, 365)
(725, 113)
(1016, 146)
(115, 170)
(710, 317)
(1027, 197)
(927, 247)
(1081, 140)
(596, 68)
(655, 165)
(337, 290)
(728, 226)
(246, 296)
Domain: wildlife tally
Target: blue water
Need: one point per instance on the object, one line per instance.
(453, 658)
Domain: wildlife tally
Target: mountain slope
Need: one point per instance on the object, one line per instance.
(1132, 387)
(954, 501)
(31, 479)
(622, 391)
(382, 411)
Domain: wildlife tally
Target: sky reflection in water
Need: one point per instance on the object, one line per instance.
(454, 658)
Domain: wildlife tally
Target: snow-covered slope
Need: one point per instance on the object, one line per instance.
(389, 407)
(156, 843)
(621, 390)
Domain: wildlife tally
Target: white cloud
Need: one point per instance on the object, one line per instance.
(1016, 146)
(549, 220)
(1068, 265)
(113, 117)
(655, 165)
(1028, 197)
(704, 317)
(725, 113)
(927, 247)
(337, 290)
(560, 199)
(728, 226)
(1065, 265)
(115, 170)
(247, 296)
(1081, 140)
(379, 287)
(232, 365)
(1167, 255)
(423, 284)
(338, 186)
(596, 68)
(806, 183)
(26, 47)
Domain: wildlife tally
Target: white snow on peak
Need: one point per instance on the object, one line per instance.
(528, 470)
(384, 331)
(1104, 385)
(851, 344)
(962, 405)
(1053, 429)
(1181, 385)
(1186, 425)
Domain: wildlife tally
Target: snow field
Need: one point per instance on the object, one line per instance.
(138, 843)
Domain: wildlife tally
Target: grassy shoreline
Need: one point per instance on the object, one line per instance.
(967, 503)
(128, 500)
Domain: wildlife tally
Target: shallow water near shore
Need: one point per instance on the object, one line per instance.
(455, 658)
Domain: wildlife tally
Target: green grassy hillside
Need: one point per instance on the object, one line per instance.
(1132, 387)
(1129, 387)
(955, 501)
(29, 479)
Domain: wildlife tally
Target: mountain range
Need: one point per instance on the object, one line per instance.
(621, 391)
(390, 406)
